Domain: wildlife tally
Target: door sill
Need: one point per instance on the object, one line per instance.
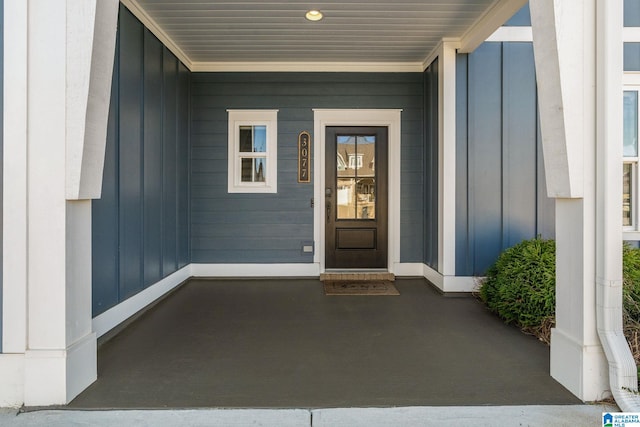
(357, 275)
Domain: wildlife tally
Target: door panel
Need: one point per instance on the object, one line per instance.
(356, 197)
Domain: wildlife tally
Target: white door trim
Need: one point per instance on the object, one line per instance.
(346, 117)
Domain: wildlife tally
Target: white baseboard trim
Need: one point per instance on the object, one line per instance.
(12, 384)
(433, 276)
(256, 270)
(111, 318)
(450, 283)
(407, 269)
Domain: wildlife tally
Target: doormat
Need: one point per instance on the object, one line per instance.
(355, 287)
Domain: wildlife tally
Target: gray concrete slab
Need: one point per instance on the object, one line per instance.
(489, 416)
(158, 418)
(284, 344)
(485, 416)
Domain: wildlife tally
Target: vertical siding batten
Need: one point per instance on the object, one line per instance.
(105, 211)
(152, 159)
(463, 264)
(169, 150)
(182, 183)
(431, 97)
(131, 133)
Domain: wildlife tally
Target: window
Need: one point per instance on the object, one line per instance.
(355, 162)
(253, 153)
(630, 165)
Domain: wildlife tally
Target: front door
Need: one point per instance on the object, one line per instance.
(356, 197)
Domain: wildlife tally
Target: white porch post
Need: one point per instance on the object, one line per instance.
(54, 152)
(447, 164)
(580, 113)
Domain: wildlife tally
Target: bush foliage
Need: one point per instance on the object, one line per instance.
(631, 298)
(520, 288)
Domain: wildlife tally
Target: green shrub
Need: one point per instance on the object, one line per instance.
(631, 298)
(631, 280)
(520, 286)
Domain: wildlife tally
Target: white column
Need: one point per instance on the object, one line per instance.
(580, 114)
(15, 178)
(59, 60)
(59, 329)
(14, 270)
(447, 163)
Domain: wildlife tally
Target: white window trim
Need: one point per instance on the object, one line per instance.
(237, 118)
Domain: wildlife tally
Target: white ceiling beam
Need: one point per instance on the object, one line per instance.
(245, 66)
(494, 17)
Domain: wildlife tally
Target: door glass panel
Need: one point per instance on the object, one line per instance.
(356, 183)
(366, 197)
(346, 199)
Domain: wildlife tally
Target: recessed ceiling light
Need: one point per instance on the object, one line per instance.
(314, 15)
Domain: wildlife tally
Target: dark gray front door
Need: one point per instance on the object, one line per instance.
(356, 197)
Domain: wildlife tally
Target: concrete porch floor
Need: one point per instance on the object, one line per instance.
(281, 343)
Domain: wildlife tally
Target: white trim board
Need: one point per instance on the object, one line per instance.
(255, 270)
(111, 318)
(313, 67)
(390, 118)
(450, 283)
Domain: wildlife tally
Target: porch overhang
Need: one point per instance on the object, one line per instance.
(472, 22)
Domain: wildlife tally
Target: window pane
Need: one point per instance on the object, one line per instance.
(246, 137)
(254, 170)
(260, 169)
(630, 120)
(627, 191)
(253, 139)
(259, 139)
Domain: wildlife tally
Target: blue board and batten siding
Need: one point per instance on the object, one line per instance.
(430, 184)
(632, 49)
(270, 228)
(500, 189)
(140, 224)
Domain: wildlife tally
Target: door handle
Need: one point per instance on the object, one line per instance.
(328, 211)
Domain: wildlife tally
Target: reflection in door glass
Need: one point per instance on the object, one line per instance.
(356, 186)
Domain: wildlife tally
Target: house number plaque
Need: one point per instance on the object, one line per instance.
(304, 157)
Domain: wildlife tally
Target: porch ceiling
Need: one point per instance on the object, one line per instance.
(276, 31)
